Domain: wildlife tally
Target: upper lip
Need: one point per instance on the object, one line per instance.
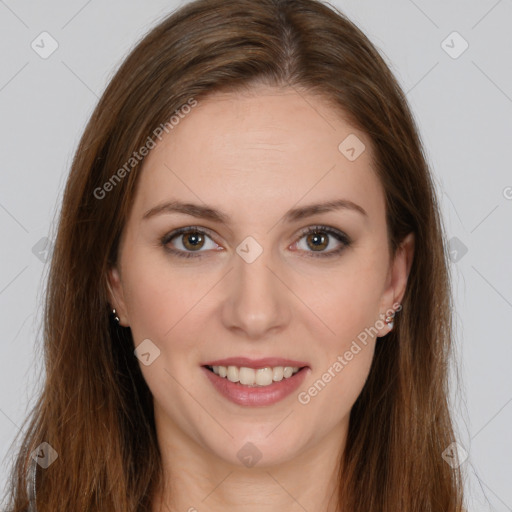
(256, 363)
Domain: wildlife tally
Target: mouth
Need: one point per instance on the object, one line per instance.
(254, 377)
(255, 383)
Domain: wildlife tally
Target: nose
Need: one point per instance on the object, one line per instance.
(257, 302)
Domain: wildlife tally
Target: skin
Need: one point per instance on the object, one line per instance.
(254, 156)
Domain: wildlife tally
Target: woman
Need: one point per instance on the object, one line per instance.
(248, 303)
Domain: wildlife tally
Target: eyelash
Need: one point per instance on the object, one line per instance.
(340, 236)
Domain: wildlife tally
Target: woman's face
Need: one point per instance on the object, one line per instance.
(246, 282)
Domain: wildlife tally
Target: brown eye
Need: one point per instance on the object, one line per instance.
(188, 241)
(322, 241)
(317, 241)
(192, 240)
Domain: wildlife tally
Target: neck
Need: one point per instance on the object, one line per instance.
(197, 480)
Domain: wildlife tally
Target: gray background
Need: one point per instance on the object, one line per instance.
(464, 109)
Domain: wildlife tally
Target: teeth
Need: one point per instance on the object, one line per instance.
(287, 372)
(263, 377)
(278, 373)
(233, 374)
(252, 377)
(247, 376)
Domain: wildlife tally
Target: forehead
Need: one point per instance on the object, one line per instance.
(266, 149)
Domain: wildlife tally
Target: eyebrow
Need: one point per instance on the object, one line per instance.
(208, 212)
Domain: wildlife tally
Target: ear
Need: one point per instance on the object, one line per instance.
(397, 280)
(116, 295)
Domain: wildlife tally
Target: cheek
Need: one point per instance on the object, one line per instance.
(365, 284)
(165, 303)
(343, 387)
(340, 375)
(346, 301)
(154, 300)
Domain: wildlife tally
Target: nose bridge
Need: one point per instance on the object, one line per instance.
(257, 303)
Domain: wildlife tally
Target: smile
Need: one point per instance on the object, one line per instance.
(243, 388)
(254, 377)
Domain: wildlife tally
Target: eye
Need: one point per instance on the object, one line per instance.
(318, 238)
(189, 240)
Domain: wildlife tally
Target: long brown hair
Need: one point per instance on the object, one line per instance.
(95, 408)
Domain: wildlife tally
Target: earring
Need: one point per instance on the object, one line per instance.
(390, 320)
(116, 318)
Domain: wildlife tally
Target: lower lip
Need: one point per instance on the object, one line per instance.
(256, 396)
